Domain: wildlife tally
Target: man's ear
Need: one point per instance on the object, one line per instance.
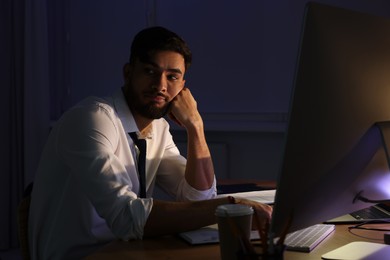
(127, 69)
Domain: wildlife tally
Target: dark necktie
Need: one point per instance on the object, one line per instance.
(141, 144)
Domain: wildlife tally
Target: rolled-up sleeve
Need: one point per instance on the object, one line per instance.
(94, 155)
(171, 175)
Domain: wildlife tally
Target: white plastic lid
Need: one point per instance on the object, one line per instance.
(233, 210)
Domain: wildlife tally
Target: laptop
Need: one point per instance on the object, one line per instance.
(376, 213)
(209, 234)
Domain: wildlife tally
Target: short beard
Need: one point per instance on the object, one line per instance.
(148, 110)
(151, 112)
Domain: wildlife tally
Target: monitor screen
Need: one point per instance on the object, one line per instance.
(334, 148)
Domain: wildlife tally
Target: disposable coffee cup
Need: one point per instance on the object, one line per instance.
(233, 220)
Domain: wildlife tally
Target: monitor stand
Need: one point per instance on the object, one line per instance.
(384, 128)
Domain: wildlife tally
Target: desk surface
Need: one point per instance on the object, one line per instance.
(172, 247)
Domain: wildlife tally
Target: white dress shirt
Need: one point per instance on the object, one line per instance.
(85, 189)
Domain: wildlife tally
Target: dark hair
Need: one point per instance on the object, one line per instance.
(158, 39)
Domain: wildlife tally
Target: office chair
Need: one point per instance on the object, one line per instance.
(22, 220)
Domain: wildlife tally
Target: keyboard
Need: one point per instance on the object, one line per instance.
(305, 240)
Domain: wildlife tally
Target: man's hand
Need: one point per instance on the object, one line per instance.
(262, 212)
(261, 219)
(184, 110)
(199, 169)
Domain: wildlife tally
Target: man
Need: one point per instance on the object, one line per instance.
(88, 191)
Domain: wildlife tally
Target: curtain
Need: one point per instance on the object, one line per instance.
(11, 178)
(25, 104)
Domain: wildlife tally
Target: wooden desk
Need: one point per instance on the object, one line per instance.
(171, 247)
(341, 236)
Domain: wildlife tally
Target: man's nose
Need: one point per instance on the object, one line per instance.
(160, 82)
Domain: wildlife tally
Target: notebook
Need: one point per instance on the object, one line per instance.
(262, 196)
(208, 235)
(378, 212)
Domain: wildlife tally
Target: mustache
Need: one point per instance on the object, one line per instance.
(156, 93)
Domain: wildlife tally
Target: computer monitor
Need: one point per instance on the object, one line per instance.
(334, 147)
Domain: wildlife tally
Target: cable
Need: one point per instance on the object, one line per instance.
(360, 225)
(364, 199)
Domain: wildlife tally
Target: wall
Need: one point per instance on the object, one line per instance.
(242, 154)
(244, 61)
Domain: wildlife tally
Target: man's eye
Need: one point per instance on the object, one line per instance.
(173, 77)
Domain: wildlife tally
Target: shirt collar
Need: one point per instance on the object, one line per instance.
(125, 115)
